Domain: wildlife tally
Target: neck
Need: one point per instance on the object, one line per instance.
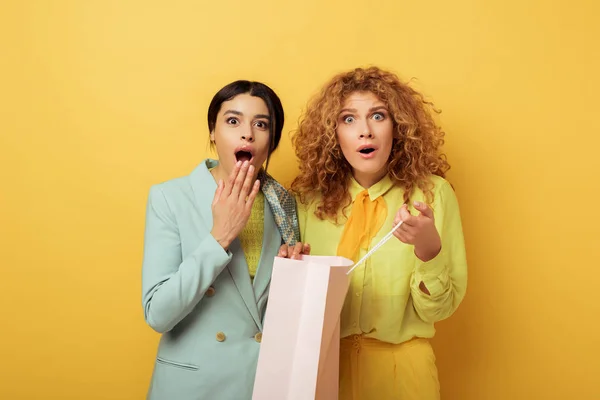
(219, 173)
(368, 180)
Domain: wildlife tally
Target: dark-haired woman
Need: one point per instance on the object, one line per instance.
(210, 241)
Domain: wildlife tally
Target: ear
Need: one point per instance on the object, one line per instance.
(212, 136)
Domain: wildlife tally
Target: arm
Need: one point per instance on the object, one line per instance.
(439, 285)
(172, 286)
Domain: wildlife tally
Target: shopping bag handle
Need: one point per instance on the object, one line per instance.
(377, 246)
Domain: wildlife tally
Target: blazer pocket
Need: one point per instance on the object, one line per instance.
(188, 367)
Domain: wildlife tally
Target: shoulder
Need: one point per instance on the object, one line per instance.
(308, 206)
(444, 196)
(170, 190)
(180, 189)
(440, 185)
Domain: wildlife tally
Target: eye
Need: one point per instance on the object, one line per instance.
(348, 119)
(261, 124)
(378, 116)
(232, 121)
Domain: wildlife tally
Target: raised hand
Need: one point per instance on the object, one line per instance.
(419, 230)
(232, 203)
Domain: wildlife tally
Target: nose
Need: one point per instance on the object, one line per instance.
(366, 135)
(365, 130)
(247, 135)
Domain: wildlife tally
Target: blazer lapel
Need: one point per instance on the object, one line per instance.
(271, 243)
(238, 268)
(204, 187)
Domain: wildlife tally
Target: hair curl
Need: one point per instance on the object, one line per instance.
(416, 148)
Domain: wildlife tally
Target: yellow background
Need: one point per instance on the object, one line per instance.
(101, 99)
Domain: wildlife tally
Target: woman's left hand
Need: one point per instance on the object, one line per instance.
(419, 231)
(294, 252)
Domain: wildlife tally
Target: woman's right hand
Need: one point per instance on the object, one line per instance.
(294, 252)
(232, 203)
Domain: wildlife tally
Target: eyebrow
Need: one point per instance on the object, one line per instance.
(241, 114)
(354, 110)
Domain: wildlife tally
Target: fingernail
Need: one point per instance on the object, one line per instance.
(417, 204)
(237, 164)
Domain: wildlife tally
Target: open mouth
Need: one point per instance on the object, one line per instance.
(367, 150)
(243, 155)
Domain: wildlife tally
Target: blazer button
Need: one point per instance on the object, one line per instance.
(220, 337)
(258, 337)
(210, 292)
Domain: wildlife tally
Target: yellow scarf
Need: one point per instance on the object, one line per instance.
(365, 221)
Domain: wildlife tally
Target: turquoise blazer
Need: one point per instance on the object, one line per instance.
(200, 297)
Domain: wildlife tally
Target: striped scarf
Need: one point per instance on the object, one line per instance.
(283, 207)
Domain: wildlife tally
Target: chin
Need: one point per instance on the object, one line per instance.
(368, 169)
(377, 172)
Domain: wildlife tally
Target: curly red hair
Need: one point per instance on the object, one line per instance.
(416, 149)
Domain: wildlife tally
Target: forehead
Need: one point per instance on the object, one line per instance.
(246, 104)
(360, 100)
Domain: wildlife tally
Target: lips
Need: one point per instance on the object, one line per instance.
(367, 150)
(244, 153)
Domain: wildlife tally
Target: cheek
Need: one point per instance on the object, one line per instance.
(224, 146)
(262, 143)
(387, 135)
(345, 143)
(220, 141)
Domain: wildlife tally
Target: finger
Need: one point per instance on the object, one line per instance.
(234, 173)
(306, 249)
(239, 180)
(397, 217)
(401, 236)
(398, 220)
(252, 195)
(297, 251)
(407, 228)
(218, 192)
(247, 184)
(409, 232)
(424, 209)
(283, 251)
(406, 216)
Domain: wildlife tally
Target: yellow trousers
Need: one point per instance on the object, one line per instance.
(374, 370)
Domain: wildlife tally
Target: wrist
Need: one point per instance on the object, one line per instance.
(427, 254)
(223, 240)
